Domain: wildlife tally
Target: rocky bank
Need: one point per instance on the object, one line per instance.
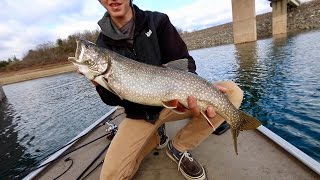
(303, 18)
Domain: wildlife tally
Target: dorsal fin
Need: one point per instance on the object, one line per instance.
(180, 64)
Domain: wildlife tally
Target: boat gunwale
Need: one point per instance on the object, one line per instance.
(288, 147)
(34, 173)
(291, 149)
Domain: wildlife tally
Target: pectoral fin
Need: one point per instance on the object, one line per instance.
(104, 83)
(175, 105)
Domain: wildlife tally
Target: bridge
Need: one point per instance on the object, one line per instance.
(244, 18)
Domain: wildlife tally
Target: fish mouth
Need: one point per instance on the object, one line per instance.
(78, 49)
(77, 54)
(75, 59)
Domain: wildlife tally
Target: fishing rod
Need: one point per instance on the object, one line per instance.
(95, 159)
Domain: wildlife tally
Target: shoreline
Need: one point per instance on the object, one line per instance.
(302, 19)
(25, 75)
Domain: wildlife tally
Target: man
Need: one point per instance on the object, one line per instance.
(149, 37)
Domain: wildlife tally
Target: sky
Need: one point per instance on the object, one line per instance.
(24, 24)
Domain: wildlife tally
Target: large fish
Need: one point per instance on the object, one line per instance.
(157, 86)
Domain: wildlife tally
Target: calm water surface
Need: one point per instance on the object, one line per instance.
(280, 78)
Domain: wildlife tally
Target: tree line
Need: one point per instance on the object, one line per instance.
(51, 53)
(48, 53)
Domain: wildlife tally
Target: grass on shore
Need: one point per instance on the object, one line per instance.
(24, 75)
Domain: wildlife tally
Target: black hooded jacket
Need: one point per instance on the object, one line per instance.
(155, 42)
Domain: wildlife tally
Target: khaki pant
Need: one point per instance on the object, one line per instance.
(136, 138)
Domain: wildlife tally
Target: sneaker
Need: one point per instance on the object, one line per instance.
(190, 168)
(222, 128)
(164, 139)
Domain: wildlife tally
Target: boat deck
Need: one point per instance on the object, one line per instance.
(259, 158)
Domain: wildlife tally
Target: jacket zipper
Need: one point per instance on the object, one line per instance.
(134, 52)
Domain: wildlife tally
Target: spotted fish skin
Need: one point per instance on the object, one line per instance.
(156, 86)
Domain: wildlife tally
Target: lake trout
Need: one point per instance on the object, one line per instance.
(157, 86)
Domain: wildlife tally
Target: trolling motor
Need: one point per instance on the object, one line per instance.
(112, 130)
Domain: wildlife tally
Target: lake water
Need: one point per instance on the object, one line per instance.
(280, 78)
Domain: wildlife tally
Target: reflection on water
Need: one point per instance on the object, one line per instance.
(41, 115)
(280, 78)
(12, 154)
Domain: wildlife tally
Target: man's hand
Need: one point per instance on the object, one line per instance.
(194, 108)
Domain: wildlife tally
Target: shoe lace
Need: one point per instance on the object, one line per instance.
(187, 155)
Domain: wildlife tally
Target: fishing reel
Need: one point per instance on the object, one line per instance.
(112, 130)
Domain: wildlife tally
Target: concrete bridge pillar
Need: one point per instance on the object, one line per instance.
(279, 16)
(244, 21)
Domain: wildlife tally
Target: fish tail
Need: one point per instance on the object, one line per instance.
(247, 122)
(235, 133)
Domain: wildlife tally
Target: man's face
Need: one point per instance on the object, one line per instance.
(117, 8)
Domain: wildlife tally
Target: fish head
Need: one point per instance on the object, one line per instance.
(90, 59)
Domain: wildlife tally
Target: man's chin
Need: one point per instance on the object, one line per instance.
(117, 14)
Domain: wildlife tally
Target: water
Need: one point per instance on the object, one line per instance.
(41, 115)
(280, 78)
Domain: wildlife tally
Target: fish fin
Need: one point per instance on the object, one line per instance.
(235, 134)
(170, 104)
(180, 64)
(102, 81)
(248, 122)
(208, 120)
(175, 105)
(180, 109)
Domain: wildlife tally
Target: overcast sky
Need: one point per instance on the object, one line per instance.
(24, 24)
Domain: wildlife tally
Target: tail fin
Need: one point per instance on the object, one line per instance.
(247, 122)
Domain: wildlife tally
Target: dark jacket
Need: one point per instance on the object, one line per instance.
(155, 42)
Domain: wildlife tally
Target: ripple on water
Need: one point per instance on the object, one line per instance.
(280, 78)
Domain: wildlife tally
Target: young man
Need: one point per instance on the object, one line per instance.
(149, 37)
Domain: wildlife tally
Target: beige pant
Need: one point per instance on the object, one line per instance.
(136, 138)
